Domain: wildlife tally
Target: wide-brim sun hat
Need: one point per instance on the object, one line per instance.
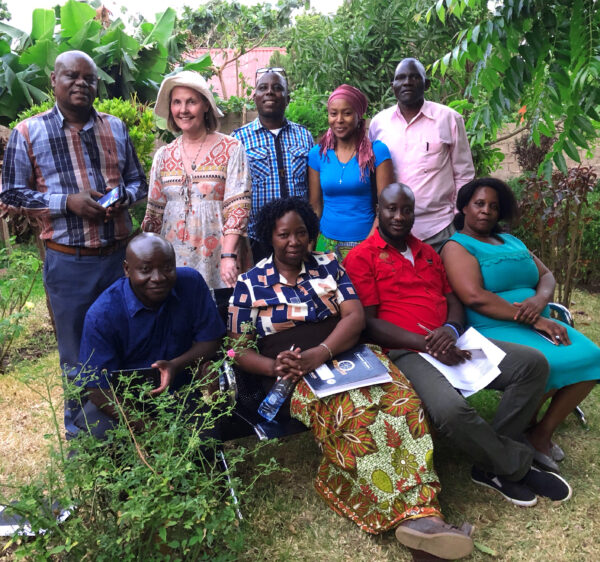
(188, 79)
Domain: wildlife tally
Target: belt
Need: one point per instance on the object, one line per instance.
(83, 251)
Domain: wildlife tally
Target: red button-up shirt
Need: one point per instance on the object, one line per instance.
(404, 294)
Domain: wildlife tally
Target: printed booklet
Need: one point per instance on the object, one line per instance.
(354, 368)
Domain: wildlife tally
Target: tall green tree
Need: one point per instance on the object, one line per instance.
(535, 62)
(363, 43)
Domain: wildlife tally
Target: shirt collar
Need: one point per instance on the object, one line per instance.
(413, 243)
(426, 111)
(257, 125)
(134, 305)
(61, 118)
(274, 277)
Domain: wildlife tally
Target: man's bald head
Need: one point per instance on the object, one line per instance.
(150, 266)
(75, 83)
(396, 214)
(392, 191)
(148, 242)
(64, 60)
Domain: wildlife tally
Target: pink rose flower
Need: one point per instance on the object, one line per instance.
(231, 353)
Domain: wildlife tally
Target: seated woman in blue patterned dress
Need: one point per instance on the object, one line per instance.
(377, 452)
(506, 291)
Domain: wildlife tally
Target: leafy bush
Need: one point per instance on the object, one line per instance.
(529, 155)
(590, 246)
(309, 108)
(22, 270)
(554, 216)
(235, 104)
(157, 494)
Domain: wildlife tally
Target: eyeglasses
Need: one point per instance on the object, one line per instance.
(278, 69)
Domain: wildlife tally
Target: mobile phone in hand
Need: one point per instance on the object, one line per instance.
(115, 195)
(546, 336)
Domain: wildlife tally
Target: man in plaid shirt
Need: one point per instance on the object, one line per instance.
(56, 166)
(277, 149)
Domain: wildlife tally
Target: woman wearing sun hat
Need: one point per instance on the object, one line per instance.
(199, 192)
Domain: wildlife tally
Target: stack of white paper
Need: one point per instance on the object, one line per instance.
(479, 371)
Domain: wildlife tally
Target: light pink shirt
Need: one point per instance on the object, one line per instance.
(431, 155)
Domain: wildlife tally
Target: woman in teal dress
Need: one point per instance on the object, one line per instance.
(506, 291)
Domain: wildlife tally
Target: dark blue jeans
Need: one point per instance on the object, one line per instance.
(73, 283)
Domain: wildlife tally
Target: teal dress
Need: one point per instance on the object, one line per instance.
(509, 271)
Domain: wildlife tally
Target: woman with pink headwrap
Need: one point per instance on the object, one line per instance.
(345, 174)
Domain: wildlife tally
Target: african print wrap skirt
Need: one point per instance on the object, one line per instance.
(377, 466)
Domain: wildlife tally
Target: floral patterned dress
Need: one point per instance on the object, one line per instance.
(194, 211)
(377, 465)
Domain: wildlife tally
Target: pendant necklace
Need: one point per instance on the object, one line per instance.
(193, 162)
(343, 166)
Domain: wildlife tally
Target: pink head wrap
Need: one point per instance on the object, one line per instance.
(364, 149)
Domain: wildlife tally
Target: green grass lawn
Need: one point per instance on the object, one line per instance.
(284, 517)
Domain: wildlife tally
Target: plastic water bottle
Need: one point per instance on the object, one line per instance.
(270, 405)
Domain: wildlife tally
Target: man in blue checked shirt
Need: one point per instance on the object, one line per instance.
(277, 149)
(56, 166)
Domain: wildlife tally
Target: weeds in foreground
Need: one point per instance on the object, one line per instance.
(156, 493)
(22, 271)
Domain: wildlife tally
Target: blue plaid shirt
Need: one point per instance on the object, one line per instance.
(46, 160)
(269, 181)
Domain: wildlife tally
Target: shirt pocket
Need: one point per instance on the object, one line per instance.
(260, 167)
(299, 162)
(435, 155)
(386, 271)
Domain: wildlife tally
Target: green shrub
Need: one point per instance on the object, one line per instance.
(554, 216)
(309, 108)
(590, 247)
(22, 269)
(150, 494)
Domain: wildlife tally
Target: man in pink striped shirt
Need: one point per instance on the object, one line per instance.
(429, 149)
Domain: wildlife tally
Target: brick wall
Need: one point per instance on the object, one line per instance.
(510, 168)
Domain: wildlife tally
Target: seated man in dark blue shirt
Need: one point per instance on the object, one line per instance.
(157, 316)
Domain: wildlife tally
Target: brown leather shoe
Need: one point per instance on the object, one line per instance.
(432, 535)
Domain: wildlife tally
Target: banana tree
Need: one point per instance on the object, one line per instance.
(127, 64)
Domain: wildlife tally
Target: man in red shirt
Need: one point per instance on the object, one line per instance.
(410, 308)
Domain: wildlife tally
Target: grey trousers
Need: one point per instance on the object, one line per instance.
(495, 447)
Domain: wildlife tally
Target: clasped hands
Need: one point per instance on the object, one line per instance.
(294, 364)
(441, 344)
